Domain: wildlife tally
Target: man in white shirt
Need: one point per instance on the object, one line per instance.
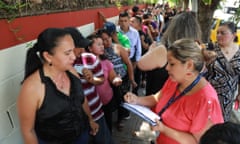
(133, 35)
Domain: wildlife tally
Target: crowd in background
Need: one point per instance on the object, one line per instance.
(74, 84)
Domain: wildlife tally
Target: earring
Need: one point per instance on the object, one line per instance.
(50, 63)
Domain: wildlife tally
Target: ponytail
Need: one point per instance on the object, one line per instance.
(33, 61)
(208, 55)
(236, 39)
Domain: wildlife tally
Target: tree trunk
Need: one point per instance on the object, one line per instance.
(195, 5)
(205, 17)
(186, 4)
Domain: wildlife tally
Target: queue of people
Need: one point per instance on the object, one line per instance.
(73, 84)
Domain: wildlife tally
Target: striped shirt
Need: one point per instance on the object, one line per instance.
(90, 61)
(116, 60)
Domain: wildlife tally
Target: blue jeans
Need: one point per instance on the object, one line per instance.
(82, 139)
(103, 135)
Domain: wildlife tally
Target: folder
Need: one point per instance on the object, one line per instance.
(144, 112)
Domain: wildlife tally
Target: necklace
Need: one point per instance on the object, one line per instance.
(59, 82)
(228, 50)
(61, 85)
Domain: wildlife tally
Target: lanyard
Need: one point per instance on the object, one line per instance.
(173, 98)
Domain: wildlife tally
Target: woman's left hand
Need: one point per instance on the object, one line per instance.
(94, 127)
(117, 81)
(133, 83)
(159, 127)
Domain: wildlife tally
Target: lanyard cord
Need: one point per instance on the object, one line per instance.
(173, 98)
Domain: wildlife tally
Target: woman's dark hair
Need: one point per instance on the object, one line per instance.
(92, 37)
(186, 49)
(232, 27)
(46, 42)
(224, 133)
(101, 31)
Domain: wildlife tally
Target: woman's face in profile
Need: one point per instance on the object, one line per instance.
(97, 48)
(176, 69)
(107, 40)
(64, 57)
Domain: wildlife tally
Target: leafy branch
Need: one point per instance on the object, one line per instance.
(11, 10)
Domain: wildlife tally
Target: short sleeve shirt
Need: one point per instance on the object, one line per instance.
(124, 41)
(105, 90)
(91, 62)
(190, 113)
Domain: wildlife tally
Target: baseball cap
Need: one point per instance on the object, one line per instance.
(110, 27)
(79, 40)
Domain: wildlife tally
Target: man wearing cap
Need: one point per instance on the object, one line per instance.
(91, 74)
(117, 36)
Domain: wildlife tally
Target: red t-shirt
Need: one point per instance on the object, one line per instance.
(190, 113)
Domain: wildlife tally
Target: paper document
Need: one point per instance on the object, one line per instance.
(143, 112)
(79, 68)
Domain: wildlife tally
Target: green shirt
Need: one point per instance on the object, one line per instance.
(123, 39)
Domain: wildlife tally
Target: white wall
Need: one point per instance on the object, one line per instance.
(11, 74)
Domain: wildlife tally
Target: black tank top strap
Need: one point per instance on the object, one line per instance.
(69, 73)
(42, 76)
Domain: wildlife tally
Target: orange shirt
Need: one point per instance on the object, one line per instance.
(190, 113)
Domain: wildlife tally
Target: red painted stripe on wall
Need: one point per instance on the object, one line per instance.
(24, 29)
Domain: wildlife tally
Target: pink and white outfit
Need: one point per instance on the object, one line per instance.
(105, 90)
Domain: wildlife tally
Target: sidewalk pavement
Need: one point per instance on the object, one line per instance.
(135, 130)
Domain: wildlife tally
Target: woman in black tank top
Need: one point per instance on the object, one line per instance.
(51, 104)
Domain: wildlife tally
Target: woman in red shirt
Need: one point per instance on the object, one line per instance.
(187, 104)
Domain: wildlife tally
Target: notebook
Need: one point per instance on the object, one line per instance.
(144, 112)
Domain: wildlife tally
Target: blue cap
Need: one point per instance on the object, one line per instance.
(110, 27)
